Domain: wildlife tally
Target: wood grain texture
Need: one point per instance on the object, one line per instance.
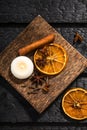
(37, 29)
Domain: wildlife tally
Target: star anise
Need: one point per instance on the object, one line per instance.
(41, 62)
(44, 52)
(37, 79)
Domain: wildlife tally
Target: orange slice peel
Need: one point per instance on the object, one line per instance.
(51, 59)
(74, 103)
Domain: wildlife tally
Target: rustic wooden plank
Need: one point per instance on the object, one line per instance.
(13, 108)
(52, 10)
(36, 30)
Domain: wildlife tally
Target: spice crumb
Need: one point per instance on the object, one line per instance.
(23, 86)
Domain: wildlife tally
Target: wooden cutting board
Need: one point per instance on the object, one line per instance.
(36, 30)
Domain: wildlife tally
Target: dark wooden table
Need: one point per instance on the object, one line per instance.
(67, 17)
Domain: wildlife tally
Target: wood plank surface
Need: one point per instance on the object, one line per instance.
(37, 29)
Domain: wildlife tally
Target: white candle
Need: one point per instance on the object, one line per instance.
(22, 67)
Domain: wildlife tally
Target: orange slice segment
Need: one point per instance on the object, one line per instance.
(50, 59)
(74, 103)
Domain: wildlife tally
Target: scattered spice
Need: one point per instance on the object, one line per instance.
(77, 38)
(45, 89)
(37, 79)
(41, 61)
(23, 86)
(32, 87)
(34, 91)
(41, 83)
(44, 51)
(38, 82)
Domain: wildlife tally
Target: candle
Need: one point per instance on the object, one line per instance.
(22, 67)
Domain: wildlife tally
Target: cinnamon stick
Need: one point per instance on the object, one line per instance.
(35, 45)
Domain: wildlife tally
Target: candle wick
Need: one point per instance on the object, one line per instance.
(22, 65)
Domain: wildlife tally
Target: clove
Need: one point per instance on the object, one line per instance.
(45, 89)
(33, 91)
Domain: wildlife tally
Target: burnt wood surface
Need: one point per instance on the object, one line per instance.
(15, 112)
(21, 11)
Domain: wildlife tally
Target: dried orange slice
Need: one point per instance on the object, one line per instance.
(51, 59)
(74, 103)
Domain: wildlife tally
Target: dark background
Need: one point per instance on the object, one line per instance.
(67, 17)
